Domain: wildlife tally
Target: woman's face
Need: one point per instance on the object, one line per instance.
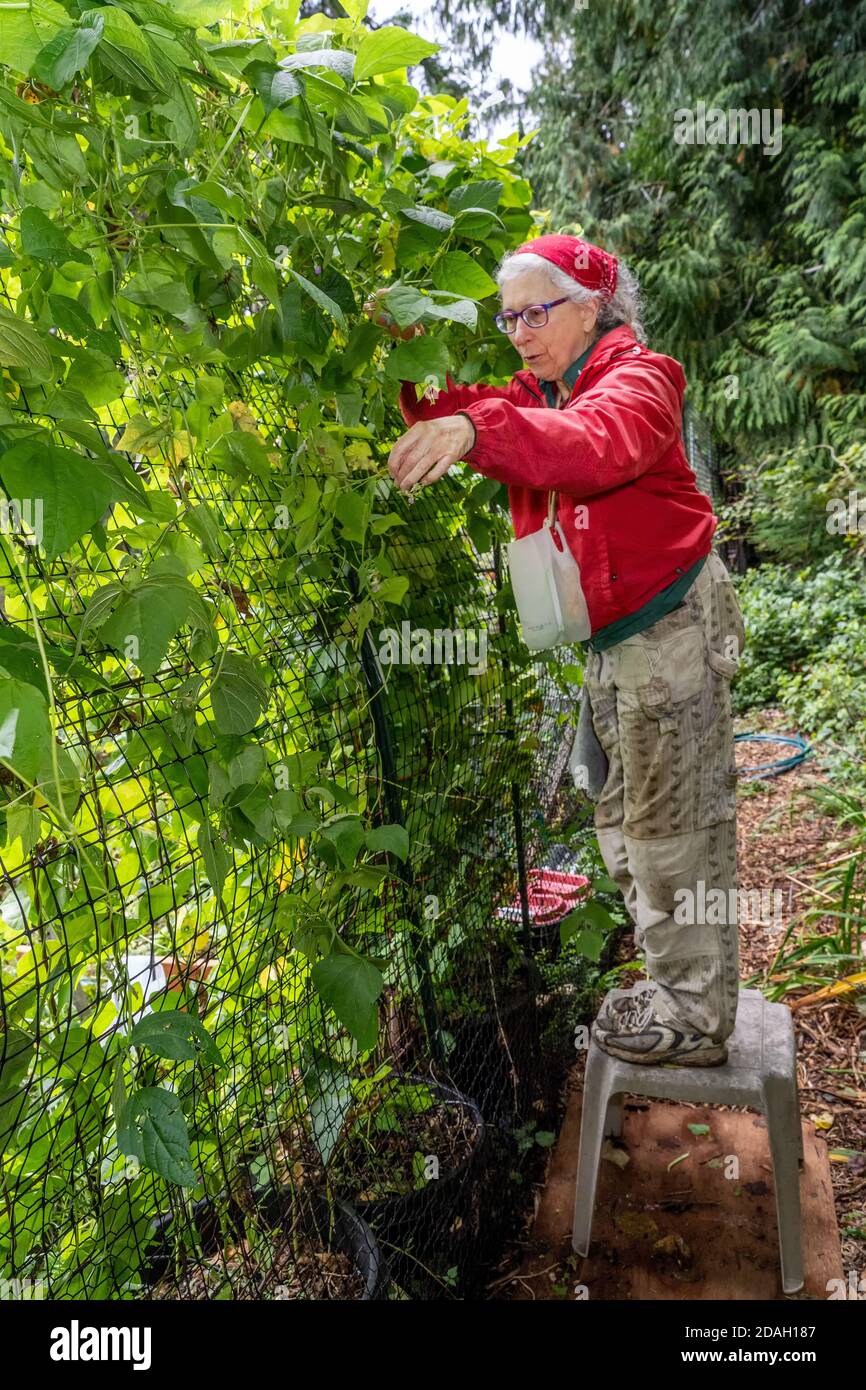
(549, 351)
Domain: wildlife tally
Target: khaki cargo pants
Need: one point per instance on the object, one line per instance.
(666, 816)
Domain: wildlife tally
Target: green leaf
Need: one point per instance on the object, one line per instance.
(459, 273)
(217, 194)
(214, 857)
(586, 940)
(352, 510)
(393, 589)
(17, 1051)
(25, 29)
(389, 48)
(329, 1098)
(238, 694)
(96, 377)
(67, 53)
(45, 241)
(429, 217)
(699, 1129)
(98, 609)
(177, 1035)
(339, 60)
(22, 347)
(25, 731)
(346, 833)
(405, 304)
(393, 838)
(477, 222)
(417, 360)
(603, 883)
(463, 311)
(351, 986)
(597, 916)
(483, 195)
(153, 1129)
(142, 627)
(125, 53)
(274, 87)
(323, 300)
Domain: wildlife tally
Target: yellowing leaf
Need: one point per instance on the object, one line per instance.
(243, 417)
(823, 1121)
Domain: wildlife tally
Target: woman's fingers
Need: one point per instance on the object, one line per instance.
(427, 468)
(411, 457)
(429, 471)
(376, 311)
(426, 446)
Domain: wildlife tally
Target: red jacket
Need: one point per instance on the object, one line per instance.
(615, 452)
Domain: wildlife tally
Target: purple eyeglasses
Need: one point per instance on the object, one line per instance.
(534, 315)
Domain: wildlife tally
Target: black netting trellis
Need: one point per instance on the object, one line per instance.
(277, 1159)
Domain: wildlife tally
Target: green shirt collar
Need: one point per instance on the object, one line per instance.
(569, 377)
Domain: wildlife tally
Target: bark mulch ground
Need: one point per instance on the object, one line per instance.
(784, 842)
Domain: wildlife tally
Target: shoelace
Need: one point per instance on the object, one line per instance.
(636, 1012)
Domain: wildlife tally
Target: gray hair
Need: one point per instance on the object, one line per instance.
(623, 308)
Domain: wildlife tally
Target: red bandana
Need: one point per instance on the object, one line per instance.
(587, 264)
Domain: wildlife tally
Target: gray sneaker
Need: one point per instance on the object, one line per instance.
(640, 1036)
(619, 1004)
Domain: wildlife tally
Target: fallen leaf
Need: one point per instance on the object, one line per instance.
(615, 1155)
(636, 1224)
(676, 1246)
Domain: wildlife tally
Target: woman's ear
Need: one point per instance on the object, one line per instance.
(590, 314)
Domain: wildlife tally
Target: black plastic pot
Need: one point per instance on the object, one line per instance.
(425, 1234)
(338, 1225)
(499, 1072)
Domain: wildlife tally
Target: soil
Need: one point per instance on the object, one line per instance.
(293, 1269)
(382, 1158)
(783, 841)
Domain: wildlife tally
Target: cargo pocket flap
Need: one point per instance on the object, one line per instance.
(725, 665)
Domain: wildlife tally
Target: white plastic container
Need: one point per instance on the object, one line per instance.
(547, 589)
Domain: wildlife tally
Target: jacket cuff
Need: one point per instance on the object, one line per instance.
(474, 425)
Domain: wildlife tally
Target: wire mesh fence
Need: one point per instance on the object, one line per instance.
(202, 1098)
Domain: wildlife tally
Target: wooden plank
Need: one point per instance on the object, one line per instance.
(702, 1229)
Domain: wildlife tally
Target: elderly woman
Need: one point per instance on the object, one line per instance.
(597, 416)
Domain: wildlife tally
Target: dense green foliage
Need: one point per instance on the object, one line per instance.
(751, 261)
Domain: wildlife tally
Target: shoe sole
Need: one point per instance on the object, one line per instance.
(709, 1057)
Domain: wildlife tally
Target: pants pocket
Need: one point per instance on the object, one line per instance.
(727, 637)
(661, 666)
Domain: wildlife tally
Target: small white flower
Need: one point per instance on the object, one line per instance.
(431, 391)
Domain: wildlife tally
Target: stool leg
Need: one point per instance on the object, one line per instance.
(800, 1155)
(592, 1126)
(785, 1132)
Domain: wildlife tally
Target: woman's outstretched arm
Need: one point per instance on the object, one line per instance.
(448, 402)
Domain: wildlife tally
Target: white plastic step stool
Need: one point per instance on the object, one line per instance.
(761, 1072)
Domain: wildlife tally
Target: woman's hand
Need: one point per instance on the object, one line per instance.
(379, 314)
(426, 451)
